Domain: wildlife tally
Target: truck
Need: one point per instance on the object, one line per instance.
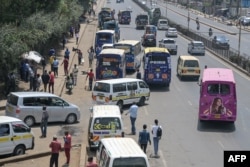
(141, 20)
(112, 25)
(170, 44)
(154, 15)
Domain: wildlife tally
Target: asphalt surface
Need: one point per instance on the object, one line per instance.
(40, 155)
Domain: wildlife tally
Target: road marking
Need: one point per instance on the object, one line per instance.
(220, 143)
(163, 159)
(189, 102)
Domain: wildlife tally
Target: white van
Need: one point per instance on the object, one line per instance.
(120, 152)
(15, 136)
(27, 106)
(121, 91)
(162, 24)
(105, 121)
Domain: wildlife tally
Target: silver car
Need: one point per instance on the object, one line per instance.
(171, 32)
(27, 106)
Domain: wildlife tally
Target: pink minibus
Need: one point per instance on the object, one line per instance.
(218, 99)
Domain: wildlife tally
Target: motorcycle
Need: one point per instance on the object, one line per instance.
(69, 85)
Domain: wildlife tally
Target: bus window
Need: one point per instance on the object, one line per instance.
(213, 88)
(119, 87)
(191, 63)
(102, 87)
(132, 86)
(225, 89)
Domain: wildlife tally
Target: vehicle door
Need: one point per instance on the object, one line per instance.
(143, 89)
(133, 91)
(6, 144)
(58, 109)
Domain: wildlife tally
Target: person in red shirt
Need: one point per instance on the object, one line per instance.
(51, 81)
(56, 147)
(65, 64)
(91, 77)
(67, 145)
(91, 163)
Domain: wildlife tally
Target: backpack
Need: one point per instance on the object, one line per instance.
(159, 131)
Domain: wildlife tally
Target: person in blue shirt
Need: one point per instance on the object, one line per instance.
(144, 138)
(133, 115)
(52, 52)
(67, 53)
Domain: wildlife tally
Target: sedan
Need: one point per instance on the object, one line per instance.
(220, 42)
(171, 32)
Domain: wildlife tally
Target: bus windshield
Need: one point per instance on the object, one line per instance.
(104, 37)
(126, 48)
(107, 123)
(157, 58)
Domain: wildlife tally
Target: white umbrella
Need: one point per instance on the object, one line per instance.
(32, 55)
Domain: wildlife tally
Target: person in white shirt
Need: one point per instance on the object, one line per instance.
(155, 138)
(75, 72)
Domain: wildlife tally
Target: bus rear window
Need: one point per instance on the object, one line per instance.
(102, 87)
(191, 63)
(222, 89)
(104, 37)
(12, 99)
(130, 162)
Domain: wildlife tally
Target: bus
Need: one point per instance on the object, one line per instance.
(132, 51)
(104, 37)
(157, 66)
(124, 17)
(110, 64)
(218, 99)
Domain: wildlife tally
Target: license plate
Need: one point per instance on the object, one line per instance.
(217, 116)
(100, 97)
(157, 69)
(190, 70)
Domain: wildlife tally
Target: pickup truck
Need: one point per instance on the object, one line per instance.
(169, 44)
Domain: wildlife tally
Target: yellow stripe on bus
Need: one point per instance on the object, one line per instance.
(4, 139)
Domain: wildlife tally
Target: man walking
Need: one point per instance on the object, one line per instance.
(91, 77)
(133, 115)
(67, 145)
(51, 81)
(44, 121)
(75, 72)
(91, 55)
(156, 138)
(144, 138)
(65, 64)
(55, 66)
(56, 147)
(45, 79)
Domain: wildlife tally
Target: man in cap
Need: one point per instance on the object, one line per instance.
(56, 147)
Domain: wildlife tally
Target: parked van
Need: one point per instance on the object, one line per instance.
(27, 106)
(162, 24)
(120, 91)
(105, 121)
(189, 67)
(121, 152)
(15, 136)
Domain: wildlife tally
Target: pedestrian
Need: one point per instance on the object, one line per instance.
(144, 138)
(138, 74)
(45, 80)
(133, 115)
(91, 55)
(71, 30)
(51, 60)
(156, 138)
(51, 81)
(75, 72)
(65, 64)
(64, 40)
(55, 66)
(52, 52)
(26, 71)
(31, 79)
(56, 147)
(77, 37)
(67, 145)
(11, 86)
(44, 122)
(38, 82)
(91, 77)
(80, 57)
(67, 53)
(43, 62)
(91, 162)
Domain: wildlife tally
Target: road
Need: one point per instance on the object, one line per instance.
(185, 141)
(176, 13)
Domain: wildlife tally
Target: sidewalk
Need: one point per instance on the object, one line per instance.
(41, 145)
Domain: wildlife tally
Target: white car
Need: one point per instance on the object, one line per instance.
(196, 47)
(171, 32)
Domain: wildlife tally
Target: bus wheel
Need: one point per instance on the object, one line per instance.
(120, 104)
(142, 101)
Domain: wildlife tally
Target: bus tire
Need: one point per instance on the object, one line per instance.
(120, 104)
(142, 101)
(19, 150)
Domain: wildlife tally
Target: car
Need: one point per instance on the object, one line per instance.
(162, 24)
(149, 40)
(220, 42)
(246, 21)
(27, 106)
(196, 47)
(171, 32)
(170, 44)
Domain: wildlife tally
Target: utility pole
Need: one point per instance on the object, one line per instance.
(166, 9)
(188, 19)
(238, 62)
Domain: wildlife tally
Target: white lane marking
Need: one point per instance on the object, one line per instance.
(189, 102)
(163, 159)
(220, 143)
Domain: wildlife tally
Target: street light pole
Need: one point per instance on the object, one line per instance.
(166, 9)
(188, 19)
(238, 62)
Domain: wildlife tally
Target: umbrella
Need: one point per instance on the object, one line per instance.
(32, 55)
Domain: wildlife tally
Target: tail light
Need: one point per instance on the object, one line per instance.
(197, 71)
(18, 110)
(183, 71)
